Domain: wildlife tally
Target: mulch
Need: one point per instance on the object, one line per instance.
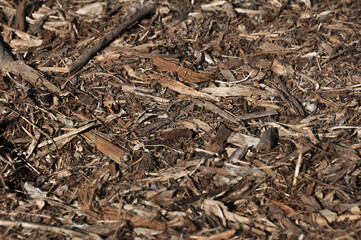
(181, 119)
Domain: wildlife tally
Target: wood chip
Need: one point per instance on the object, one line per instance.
(182, 72)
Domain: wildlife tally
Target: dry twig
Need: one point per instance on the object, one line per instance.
(107, 39)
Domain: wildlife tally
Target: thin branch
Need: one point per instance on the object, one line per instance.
(107, 39)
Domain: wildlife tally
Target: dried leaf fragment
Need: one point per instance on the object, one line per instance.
(220, 210)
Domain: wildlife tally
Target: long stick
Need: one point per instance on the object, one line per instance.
(107, 39)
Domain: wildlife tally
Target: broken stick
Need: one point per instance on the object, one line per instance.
(107, 39)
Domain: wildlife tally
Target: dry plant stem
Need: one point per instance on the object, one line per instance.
(298, 164)
(107, 39)
(60, 230)
(38, 128)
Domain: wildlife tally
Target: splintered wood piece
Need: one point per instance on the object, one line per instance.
(36, 78)
(59, 145)
(213, 108)
(243, 171)
(182, 72)
(248, 116)
(265, 168)
(238, 92)
(110, 213)
(50, 228)
(184, 89)
(282, 69)
(310, 203)
(154, 126)
(67, 135)
(241, 140)
(289, 98)
(116, 153)
(107, 39)
(346, 153)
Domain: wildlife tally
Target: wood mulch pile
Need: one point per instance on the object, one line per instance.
(180, 119)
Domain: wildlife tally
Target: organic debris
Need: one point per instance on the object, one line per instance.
(180, 119)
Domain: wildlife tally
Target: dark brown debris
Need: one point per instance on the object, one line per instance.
(180, 119)
(268, 140)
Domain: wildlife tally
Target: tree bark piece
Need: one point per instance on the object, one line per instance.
(107, 39)
(20, 16)
(268, 141)
(218, 142)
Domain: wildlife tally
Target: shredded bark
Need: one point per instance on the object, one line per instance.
(180, 119)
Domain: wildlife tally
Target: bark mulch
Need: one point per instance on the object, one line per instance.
(180, 119)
